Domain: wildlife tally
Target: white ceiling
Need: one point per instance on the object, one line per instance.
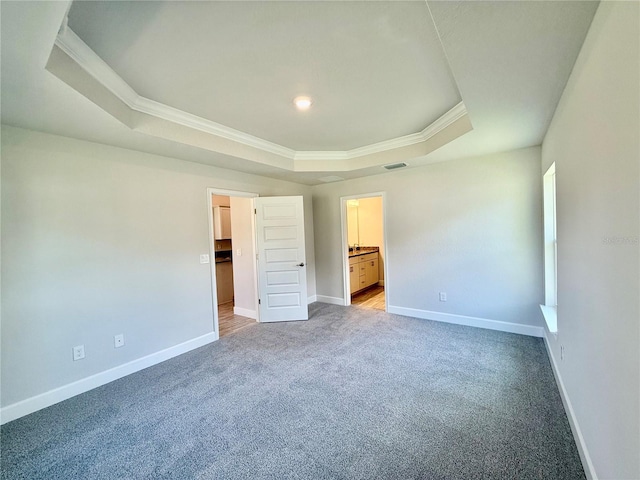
(376, 70)
(508, 61)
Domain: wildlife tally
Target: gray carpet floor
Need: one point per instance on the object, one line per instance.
(351, 393)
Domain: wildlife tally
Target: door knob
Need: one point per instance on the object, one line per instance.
(301, 264)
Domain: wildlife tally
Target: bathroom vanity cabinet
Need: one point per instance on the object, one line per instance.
(363, 269)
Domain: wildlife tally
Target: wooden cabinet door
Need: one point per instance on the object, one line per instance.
(363, 271)
(354, 277)
(371, 272)
(221, 223)
(224, 282)
(225, 220)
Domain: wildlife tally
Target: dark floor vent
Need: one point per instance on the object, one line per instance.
(393, 166)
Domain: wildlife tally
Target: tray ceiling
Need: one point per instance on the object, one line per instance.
(375, 70)
(222, 76)
(507, 61)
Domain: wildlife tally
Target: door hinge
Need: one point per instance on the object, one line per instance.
(259, 302)
(255, 211)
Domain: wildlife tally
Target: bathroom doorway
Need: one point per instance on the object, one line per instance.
(363, 236)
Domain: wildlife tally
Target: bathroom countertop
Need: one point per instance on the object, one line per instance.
(363, 251)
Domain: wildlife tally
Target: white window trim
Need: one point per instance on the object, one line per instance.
(550, 307)
(550, 315)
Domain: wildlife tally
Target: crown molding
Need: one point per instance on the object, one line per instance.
(456, 113)
(81, 53)
(87, 59)
(334, 155)
(391, 144)
(360, 151)
(160, 110)
(73, 46)
(436, 127)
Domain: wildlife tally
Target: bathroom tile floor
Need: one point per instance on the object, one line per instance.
(230, 323)
(370, 298)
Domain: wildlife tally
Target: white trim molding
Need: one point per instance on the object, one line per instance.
(85, 57)
(331, 300)
(104, 77)
(550, 315)
(587, 464)
(174, 115)
(436, 127)
(509, 327)
(46, 399)
(245, 312)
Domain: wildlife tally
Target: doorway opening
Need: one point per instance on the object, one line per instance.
(232, 239)
(261, 277)
(364, 241)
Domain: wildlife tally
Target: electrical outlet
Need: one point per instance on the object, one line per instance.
(561, 352)
(204, 258)
(239, 252)
(118, 341)
(443, 296)
(78, 352)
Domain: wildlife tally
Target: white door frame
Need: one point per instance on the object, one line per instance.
(345, 244)
(212, 259)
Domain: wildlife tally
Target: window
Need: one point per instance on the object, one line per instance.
(549, 309)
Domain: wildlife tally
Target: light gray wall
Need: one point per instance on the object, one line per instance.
(471, 228)
(595, 144)
(244, 280)
(97, 241)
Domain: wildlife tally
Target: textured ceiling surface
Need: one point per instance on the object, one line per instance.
(375, 70)
(509, 60)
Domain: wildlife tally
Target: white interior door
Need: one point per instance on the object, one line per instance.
(282, 272)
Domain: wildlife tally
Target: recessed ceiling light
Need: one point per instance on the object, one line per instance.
(302, 103)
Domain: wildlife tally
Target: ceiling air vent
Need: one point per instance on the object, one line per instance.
(331, 178)
(393, 166)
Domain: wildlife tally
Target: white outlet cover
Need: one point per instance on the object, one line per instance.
(204, 258)
(78, 352)
(118, 341)
(239, 252)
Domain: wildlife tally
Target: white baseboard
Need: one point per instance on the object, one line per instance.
(468, 321)
(33, 404)
(331, 300)
(312, 298)
(573, 421)
(245, 312)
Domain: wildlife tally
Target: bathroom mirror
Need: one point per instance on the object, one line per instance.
(353, 223)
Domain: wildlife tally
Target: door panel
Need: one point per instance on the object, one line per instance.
(283, 300)
(280, 233)
(291, 277)
(282, 255)
(282, 276)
